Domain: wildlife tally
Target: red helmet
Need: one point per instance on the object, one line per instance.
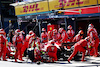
(52, 42)
(81, 32)
(17, 31)
(2, 31)
(43, 29)
(69, 27)
(91, 25)
(33, 35)
(54, 30)
(61, 30)
(31, 32)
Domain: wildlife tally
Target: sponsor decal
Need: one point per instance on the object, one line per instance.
(30, 8)
(67, 3)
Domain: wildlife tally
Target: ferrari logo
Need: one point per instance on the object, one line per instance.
(33, 37)
(81, 32)
(52, 48)
(50, 28)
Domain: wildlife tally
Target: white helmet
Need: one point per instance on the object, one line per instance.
(91, 25)
(87, 38)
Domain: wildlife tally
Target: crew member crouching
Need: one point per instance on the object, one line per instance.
(81, 47)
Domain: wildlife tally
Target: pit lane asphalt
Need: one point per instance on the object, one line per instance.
(91, 62)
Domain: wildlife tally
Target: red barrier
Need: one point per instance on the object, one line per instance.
(85, 10)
